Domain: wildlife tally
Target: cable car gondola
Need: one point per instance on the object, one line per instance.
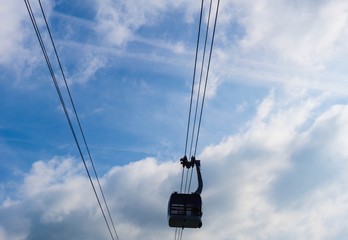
(185, 209)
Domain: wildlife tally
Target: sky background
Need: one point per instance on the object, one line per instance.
(273, 140)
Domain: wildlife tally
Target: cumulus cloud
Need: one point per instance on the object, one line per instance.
(280, 186)
(282, 177)
(306, 33)
(277, 43)
(56, 201)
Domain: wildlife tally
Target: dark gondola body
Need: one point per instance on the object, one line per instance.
(185, 210)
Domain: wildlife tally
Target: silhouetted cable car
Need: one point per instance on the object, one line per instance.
(185, 209)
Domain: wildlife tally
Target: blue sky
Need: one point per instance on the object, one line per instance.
(273, 140)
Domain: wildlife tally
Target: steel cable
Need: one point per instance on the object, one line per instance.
(179, 234)
(49, 65)
(199, 90)
(78, 119)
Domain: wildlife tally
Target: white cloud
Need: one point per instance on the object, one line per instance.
(56, 200)
(10, 38)
(306, 33)
(117, 21)
(282, 177)
(87, 69)
(301, 45)
(268, 41)
(276, 185)
(19, 48)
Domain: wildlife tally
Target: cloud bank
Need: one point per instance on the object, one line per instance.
(282, 177)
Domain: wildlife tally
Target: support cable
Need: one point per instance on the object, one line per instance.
(192, 95)
(176, 232)
(206, 79)
(199, 90)
(179, 233)
(77, 118)
(194, 77)
(207, 74)
(42, 45)
(200, 78)
(190, 108)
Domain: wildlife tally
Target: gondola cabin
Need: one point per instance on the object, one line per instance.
(185, 210)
